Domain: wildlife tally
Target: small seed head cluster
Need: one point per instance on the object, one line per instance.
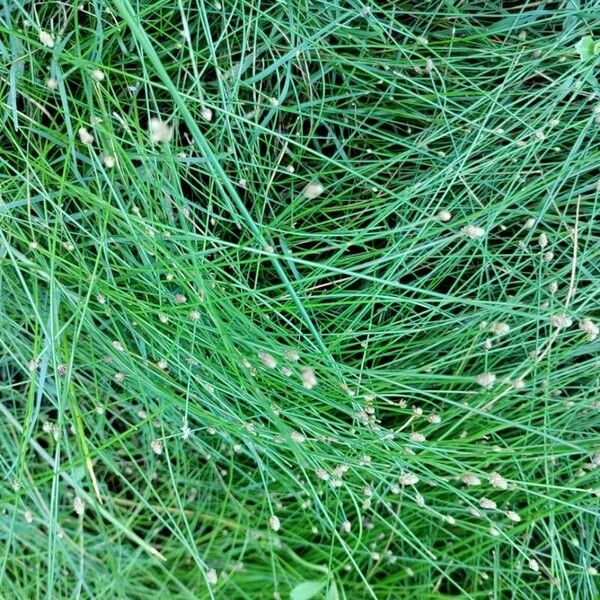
(46, 38)
(267, 359)
(85, 136)
(486, 380)
(473, 231)
(500, 329)
(274, 523)
(160, 131)
(409, 479)
(309, 379)
(561, 321)
(590, 328)
(313, 190)
(79, 505)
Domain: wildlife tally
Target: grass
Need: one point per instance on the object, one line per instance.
(252, 358)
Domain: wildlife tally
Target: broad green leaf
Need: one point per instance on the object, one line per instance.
(307, 590)
(585, 47)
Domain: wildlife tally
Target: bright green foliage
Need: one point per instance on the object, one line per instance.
(299, 298)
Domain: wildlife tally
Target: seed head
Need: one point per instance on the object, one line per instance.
(156, 446)
(561, 321)
(543, 240)
(309, 379)
(98, 75)
(534, 565)
(211, 576)
(487, 503)
(313, 190)
(274, 523)
(341, 470)
(160, 131)
(292, 355)
(266, 359)
(322, 474)
(207, 114)
(444, 216)
(47, 39)
(346, 527)
(500, 329)
(79, 506)
(55, 432)
(486, 380)
(513, 516)
(85, 136)
(588, 326)
(118, 346)
(470, 479)
(416, 437)
(409, 479)
(109, 161)
(498, 481)
(51, 83)
(297, 437)
(473, 231)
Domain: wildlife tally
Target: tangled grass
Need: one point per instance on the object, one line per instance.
(299, 299)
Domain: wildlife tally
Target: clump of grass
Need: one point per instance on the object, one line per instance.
(299, 300)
